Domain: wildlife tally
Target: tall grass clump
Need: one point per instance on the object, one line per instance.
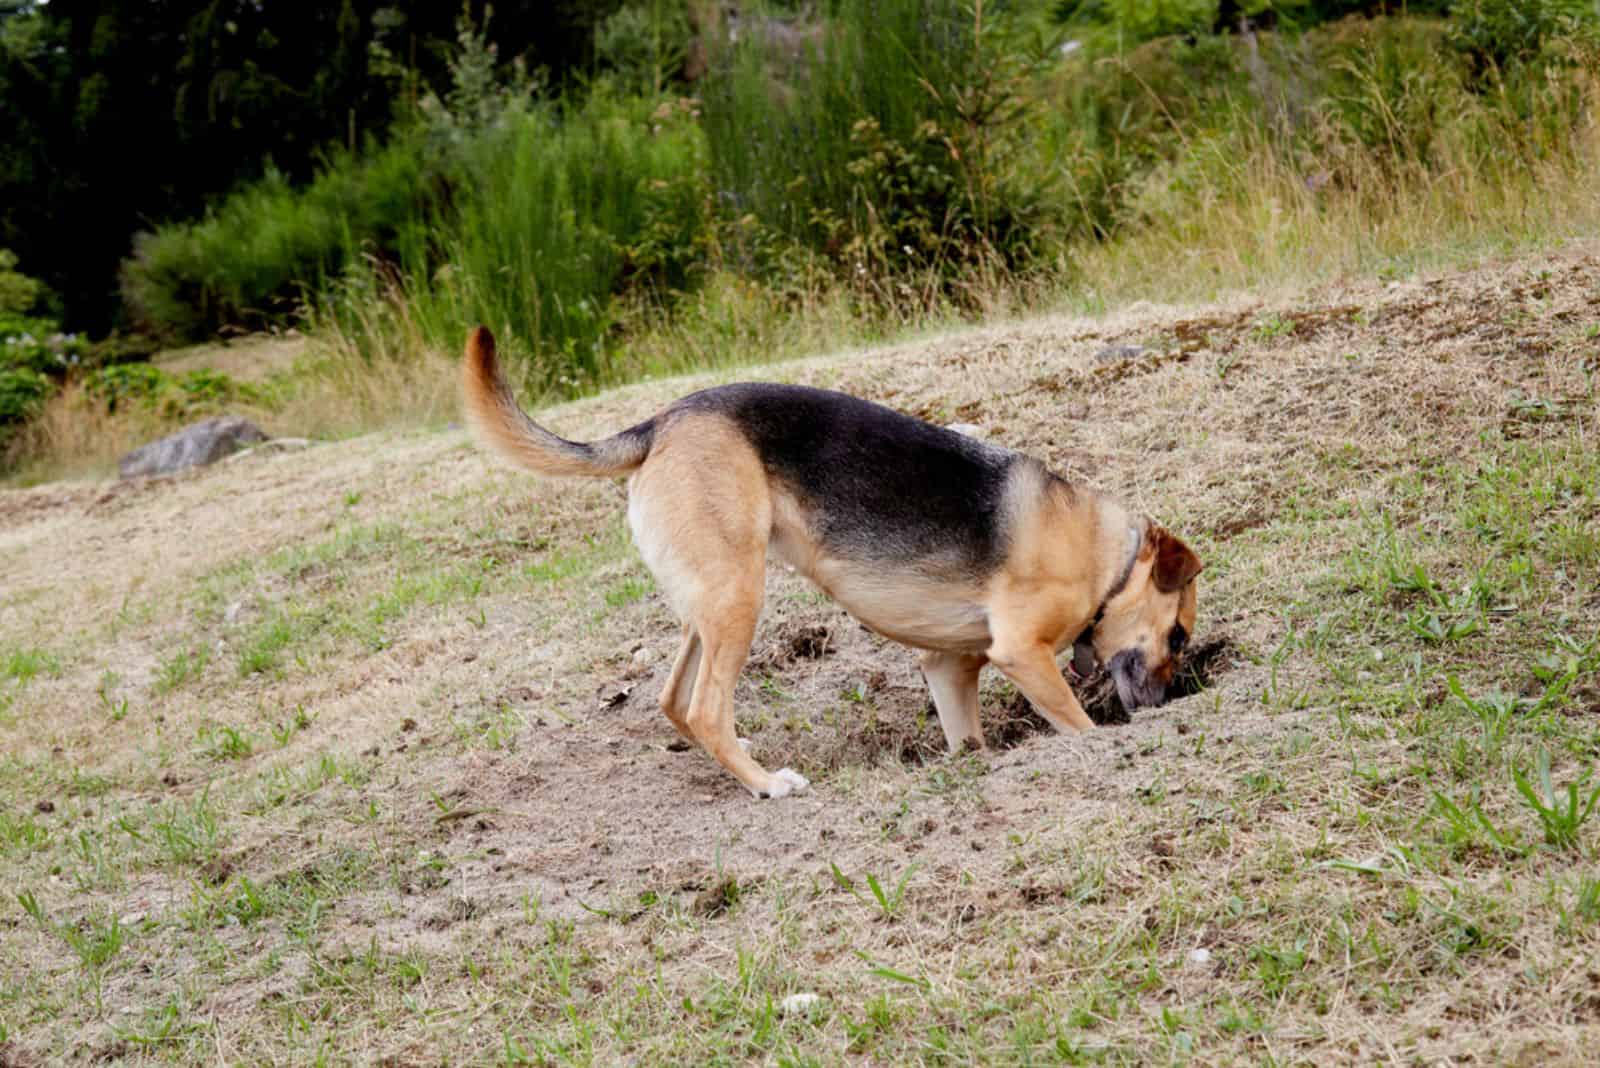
(806, 165)
(1240, 162)
(885, 138)
(567, 207)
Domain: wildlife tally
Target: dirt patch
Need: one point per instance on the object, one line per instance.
(12, 1057)
(30, 505)
(1201, 666)
(904, 725)
(720, 896)
(793, 640)
(1014, 721)
(906, 731)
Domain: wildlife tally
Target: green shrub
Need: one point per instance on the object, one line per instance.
(643, 47)
(253, 260)
(1126, 23)
(889, 137)
(32, 343)
(1151, 135)
(208, 390)
(1111, 121)
(559, 210)
(18, 292)
(38, 345)
(127, 383)
(22, 392)
(121, 386)
(1497, 34)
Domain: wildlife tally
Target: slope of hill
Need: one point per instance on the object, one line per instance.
(353, 750)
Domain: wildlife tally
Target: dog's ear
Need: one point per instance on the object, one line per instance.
(1176, 564)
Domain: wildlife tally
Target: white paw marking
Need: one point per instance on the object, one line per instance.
(786, 781)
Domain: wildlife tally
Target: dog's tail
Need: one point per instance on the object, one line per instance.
(503, 425)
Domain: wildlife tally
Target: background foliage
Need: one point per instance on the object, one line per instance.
(637, 184)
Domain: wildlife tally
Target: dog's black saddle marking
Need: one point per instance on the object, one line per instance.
(881, 485)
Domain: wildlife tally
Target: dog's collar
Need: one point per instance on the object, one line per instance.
(1135, 543)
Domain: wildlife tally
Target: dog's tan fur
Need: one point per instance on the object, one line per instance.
(705, 512)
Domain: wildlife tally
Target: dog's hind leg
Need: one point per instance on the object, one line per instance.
(726, 631)
(701, 514)
(680, 684)
(953, 680)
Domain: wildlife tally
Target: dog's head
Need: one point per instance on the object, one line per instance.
(1140, 638)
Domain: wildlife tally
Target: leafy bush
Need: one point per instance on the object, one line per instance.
(127, 383)
(253, 260)
(33, 351)
(1131, 22)
(38, 345)
(18, 292)
(22, 392)
(643, 47)
(560, 209)
(1499, 33)
(121, 386)
(208, 390)
(888, 137)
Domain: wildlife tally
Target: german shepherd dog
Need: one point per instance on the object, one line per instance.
(966, 551)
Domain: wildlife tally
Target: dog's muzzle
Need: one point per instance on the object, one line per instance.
(1135, 686)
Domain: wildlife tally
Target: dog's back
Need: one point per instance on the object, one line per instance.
(874, 484)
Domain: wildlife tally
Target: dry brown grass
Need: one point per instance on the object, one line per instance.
(339, 393)
(1261, 222)
(388, 783)
(74, 436)
(329, 394)
(252, 358)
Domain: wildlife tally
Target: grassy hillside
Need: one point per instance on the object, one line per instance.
(349, 753)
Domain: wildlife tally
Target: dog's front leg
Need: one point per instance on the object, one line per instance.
(953, 680)
(1033, 668)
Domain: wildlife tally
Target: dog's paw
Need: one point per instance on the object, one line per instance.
(744, 743)
(786, 781)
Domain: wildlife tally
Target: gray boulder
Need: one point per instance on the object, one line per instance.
(1117, 353)
(193, 446)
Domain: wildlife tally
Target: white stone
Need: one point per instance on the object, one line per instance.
(796, 1003)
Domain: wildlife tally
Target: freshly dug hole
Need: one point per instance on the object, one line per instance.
(903, 725)
(1201, 665)
(1017, 721)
